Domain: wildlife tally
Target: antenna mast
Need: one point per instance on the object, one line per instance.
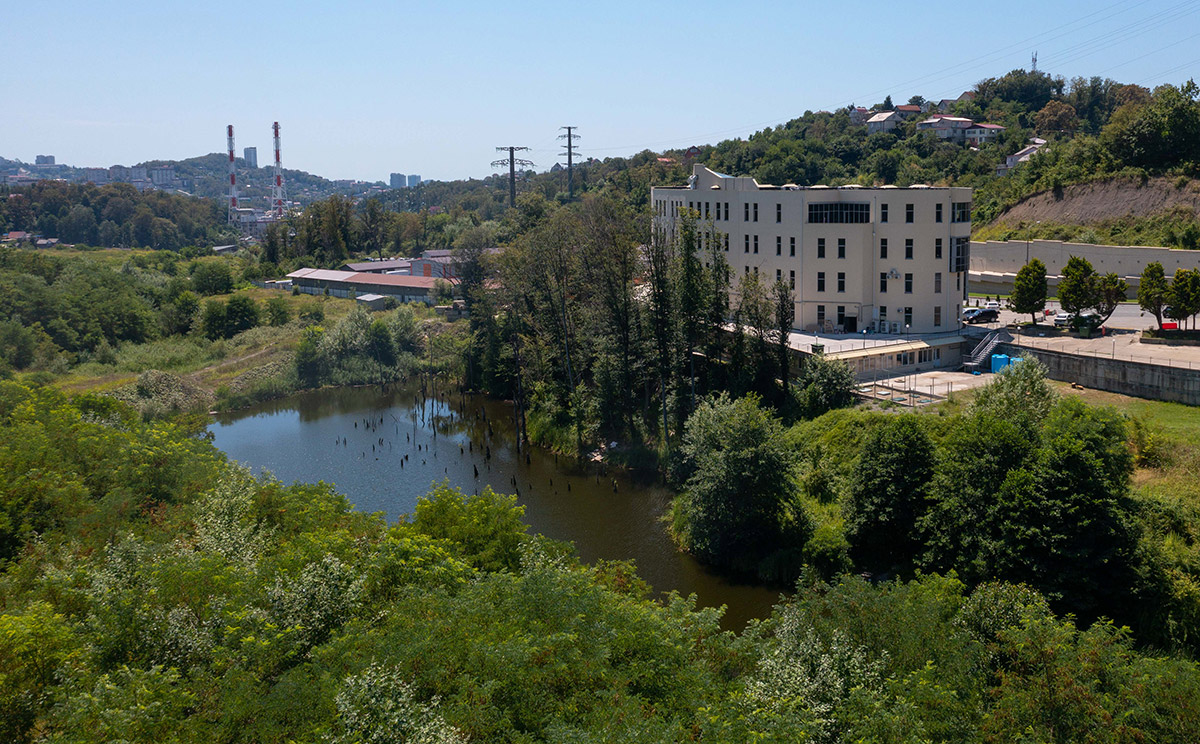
(233, 205)
(277, 188)
(512, 161)
(1034, 62)
(570, 137)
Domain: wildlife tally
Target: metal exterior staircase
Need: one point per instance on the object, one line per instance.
(979, 357)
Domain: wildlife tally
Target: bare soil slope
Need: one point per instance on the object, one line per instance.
(1101, 200)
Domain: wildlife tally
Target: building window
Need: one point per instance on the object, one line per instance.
(779, 213)
(960, 254)
(820, 247)
(907, 317)
(792, 247)
(756, 244)
(841, 315)
(937, 248)
(746, 212)
(883, 314)
(778, 245)
(726, 211)
(957, 278)
(791, 279)
(839, 213)
(883, 281)
(883, 247)
(908, 213)
(779, 275)
(756, 271)
(937, 316)
(908, 284)
(960, 212)
(727, 242)
(883, 213)
(908, 248)
(841, 247)
(937, 213)
(756, 211)
(706, 206)
(937, 282)
(746, 244)
(820, 281)
(841, 281)
(820, 315)
(747, 268)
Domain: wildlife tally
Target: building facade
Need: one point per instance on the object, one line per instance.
(250, 155)
(887, 259)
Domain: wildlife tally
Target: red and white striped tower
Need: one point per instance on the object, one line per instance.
(277, 189)
(233, 205)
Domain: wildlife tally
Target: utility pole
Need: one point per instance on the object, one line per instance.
(570, 137)
(512, 161)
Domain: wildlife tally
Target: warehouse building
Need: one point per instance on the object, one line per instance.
(356, 284)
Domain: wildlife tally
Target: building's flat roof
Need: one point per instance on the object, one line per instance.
(378, 280)
(384, 265)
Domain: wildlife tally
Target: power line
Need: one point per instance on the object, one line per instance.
(512, 161)
(570, 137)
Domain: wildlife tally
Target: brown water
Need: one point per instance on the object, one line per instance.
(328, 436)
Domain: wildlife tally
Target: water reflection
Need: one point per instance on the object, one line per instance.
(384, 448)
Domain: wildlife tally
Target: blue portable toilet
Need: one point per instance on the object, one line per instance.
(999, 362)
(1014, 360)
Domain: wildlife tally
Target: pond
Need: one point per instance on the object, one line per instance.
(385, 447)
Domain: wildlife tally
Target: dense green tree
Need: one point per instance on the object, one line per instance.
(1077, 290)
(380, 345)
(278, 312)
(1183, 296)
(213, 320)
(1153, 290)
(888, 493)
(823, 384)
(212, 277)
(241, 314)
(1029, 289)
(308, 360)
(738, 500)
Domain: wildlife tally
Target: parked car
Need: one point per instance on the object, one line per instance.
(1062, 320)
(991, 305)
(981, 315)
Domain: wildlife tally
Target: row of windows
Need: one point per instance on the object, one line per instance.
(924, 355)
(778, 275)
(839, 213)
(843, 213)
(908, 282)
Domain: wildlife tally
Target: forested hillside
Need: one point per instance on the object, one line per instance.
(154, 593)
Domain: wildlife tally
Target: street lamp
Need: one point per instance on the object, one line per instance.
(864, 338)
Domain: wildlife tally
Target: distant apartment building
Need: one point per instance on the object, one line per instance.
(398, 181)
(888, 259)
(43, 160)
(414, 181)
(250, 155)
(98, 176)
(163, 177)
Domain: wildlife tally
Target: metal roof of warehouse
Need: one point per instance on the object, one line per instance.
(378, 280)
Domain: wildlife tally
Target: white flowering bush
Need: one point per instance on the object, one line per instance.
(377, 706)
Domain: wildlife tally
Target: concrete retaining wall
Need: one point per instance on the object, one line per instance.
(1140, 379)
(1122, 260)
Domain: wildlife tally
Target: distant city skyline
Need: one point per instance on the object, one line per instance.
(362, 91)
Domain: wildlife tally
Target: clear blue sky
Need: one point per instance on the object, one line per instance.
(365, 89)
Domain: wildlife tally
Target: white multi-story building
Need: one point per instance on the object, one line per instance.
(887, 259)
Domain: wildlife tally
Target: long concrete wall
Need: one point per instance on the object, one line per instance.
(1140, 379)
(1122, 260)
(994, 264)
